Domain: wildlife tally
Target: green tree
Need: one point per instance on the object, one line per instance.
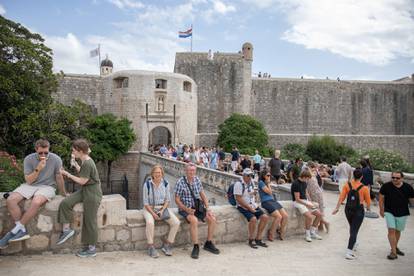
(292, 151)
(326, 150)
(245, 132)
(110, 138)
(26, 84)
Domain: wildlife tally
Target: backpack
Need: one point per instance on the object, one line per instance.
(230, 194)
(352, 200)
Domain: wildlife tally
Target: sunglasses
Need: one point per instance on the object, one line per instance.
(398, 178)
(268, 175)
(43, 153)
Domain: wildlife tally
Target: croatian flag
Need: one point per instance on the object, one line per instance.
(185, 34)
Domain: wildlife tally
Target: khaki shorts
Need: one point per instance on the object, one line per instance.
(303, 209)
(29, 191)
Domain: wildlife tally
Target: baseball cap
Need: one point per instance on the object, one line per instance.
(248, 171)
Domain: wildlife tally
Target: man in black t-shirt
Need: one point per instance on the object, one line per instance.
(235, 158)
(305, 207)
(393, 203)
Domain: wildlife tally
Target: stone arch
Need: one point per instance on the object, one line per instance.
(159, 135)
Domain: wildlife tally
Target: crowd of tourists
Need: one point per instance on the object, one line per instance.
(251, 195)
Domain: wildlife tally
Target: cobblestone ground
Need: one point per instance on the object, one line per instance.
(290, 257)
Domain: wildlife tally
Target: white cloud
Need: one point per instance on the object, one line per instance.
(370, 31)
(123, 4)
(222, 8)
(2, 10)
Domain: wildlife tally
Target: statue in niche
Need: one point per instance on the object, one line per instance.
(160, 103)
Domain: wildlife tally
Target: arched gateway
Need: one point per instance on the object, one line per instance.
(159, 135)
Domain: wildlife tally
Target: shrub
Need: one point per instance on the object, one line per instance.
(243, 131)
(384, 160)
(326, 150)
(11, 174)
(292, 151)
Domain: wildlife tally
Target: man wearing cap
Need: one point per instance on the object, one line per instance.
(41, 173)
(244, 192)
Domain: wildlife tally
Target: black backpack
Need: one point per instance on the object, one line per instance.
(352, 200)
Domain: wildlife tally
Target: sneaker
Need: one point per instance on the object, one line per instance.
(64, 236)
(399, 252)
(152, 252)
(392, 256)
(308, 238)
(166, 248)
(86, 252)
(252, 245)
(209, 246)
(4, 242)
(350, 256)
(20, 236)
(195, 252)
(315, 236)
(260, 243)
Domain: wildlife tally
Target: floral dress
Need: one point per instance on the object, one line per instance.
(315, 192)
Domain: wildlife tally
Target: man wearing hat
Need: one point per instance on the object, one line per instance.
(245, 193)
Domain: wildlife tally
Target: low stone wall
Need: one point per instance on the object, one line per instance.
(122, 229)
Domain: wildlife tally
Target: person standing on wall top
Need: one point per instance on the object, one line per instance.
(394, 197)
(41, 173)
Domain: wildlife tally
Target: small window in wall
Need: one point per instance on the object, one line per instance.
(187, 86)
(121, 82)
(160, 103)
(160, 84)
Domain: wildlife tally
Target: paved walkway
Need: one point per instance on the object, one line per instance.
(290, 257)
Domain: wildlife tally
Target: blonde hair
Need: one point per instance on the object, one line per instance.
(157, 167)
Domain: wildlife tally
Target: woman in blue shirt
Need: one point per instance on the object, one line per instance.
(272, 206)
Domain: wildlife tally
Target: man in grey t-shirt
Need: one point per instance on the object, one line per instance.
(42, 173)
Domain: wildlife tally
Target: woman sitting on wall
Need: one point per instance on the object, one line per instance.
(156, 198)
(272, 206)
(90, 194)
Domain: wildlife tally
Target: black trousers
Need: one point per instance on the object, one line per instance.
(355, 219)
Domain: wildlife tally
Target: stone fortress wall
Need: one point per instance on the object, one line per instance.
(363, 114)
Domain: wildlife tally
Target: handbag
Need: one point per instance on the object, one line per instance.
(200, 209)
(165, 214)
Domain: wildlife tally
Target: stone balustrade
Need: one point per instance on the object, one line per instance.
(122, 229)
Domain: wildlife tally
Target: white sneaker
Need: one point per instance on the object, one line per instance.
(308, 238)
(316, 236)
(350, 256)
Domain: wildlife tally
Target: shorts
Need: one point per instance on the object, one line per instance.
(184, 214)
(29, 191)
(248, 215)
(393, 222)
(271, 205)
(303, 209)
(276, 177)
(256, 167)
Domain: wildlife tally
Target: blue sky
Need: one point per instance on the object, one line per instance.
(350, 39)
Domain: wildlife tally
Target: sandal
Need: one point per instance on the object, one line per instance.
(392, 256)
(279, 234)
(270, 236)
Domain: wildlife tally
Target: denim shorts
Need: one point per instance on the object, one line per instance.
(248, 215)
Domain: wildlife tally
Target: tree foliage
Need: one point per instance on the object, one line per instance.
(243, 131)
(26, 84)
(110, 138)
(326, 150)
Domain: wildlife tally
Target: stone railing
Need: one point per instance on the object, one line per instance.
(122, 229)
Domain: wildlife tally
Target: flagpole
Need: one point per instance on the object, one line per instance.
(99, 53)
(191, 45)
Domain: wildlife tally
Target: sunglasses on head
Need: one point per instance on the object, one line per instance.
(394, 177)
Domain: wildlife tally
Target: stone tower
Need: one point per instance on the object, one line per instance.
(106, 67)
(224, 85)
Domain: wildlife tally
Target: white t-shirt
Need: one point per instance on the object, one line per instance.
(343, 171)
(248, 196)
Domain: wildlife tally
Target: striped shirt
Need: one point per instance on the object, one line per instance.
(183, 192)
(161, 193)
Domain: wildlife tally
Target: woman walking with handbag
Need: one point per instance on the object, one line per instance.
(156, 198)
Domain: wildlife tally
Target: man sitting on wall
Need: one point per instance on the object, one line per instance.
(41, 172)
(245, 194)
(189, 194)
